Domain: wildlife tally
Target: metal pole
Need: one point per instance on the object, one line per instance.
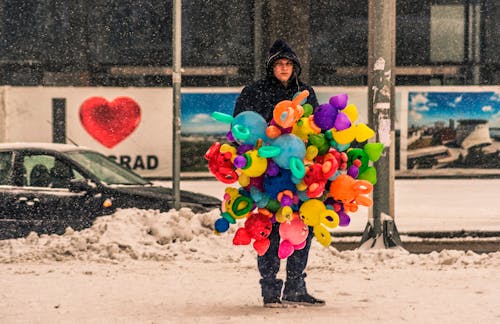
(176, 84)
(257, 28)
(381, 48)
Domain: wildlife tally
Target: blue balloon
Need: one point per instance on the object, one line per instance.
(282, 181)
(290, 146)
(247, 127)
(221, 225)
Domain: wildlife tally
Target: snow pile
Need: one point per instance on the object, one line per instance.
(128, 234)
(134, 234)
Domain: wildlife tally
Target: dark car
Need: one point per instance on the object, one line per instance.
(47, 187)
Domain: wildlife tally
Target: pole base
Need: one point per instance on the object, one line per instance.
(389, 238)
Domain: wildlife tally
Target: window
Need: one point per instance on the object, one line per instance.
(447, 33)
(44, 170)
(5, 167)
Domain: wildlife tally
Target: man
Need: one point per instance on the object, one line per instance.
(280, 83)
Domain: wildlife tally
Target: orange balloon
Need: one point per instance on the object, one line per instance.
(350, 191)
(287, 112)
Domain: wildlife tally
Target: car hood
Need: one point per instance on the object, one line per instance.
(197, 202)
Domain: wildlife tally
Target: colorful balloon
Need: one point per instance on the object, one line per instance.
(339, 101)
(297, 170)
(220, 163)
(293, 237)
(314, 213)
(288, 151)
(286, 112)
(257, 227)
(351, 192)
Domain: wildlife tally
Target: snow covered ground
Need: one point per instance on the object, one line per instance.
(421, 205)
(148, 267)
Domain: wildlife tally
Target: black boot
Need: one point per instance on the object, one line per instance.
(271, 292)
(303, 299)
(273, 302)
(295, 293)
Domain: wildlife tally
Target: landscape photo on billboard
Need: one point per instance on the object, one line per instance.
(453, 129)
(199, 130)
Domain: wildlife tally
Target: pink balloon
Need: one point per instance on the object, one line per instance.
(285, 250)
(294, 231)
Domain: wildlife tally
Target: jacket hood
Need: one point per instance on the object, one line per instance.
(280, 49)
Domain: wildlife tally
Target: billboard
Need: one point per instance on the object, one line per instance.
(131, 125)
(443, 128)
(452, 127)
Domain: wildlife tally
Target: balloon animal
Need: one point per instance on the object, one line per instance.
(293, 237)
(257, 227)
(314, 213)
(220, 163)
(286, 113)
(234, 206)
(246, 127)
(351, 192)
(361, 169)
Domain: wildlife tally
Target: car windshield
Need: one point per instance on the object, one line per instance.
(105, 169)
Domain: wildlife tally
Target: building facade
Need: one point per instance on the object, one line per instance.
(224, 43)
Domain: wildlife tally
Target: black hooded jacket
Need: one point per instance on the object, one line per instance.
(262, 95)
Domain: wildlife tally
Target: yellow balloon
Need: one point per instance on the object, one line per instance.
(228, 148)
(304, 127)
(363, 132)
(322, 235)
(351, 111)
(284, 214)
(313, 212)
(330, 218)
(345, 136)
(311, 152)
(301, 186)
(244, 180)
(257, 165)
(310, 211)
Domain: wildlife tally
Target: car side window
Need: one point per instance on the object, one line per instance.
(44, 170)
(5, 167)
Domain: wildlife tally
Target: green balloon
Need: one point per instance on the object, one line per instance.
(370, 175)
(320, 142)
(308, 110)
(374, 150)
(358, 154)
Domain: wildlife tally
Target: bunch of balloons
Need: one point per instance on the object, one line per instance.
(299, 170)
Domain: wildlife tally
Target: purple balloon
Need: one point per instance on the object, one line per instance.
(286, 201)
(325, 116)
(353, 171)
(342, 121)
(230, 137)
(339, 101)
(240, 161)
(244, 148)
(344, 218)
(272, 168)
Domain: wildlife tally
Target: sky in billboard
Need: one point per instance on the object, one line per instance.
(197, 108)
(425, 108)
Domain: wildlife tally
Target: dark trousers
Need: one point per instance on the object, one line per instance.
(269, 265)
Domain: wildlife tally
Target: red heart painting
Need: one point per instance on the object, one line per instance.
(110, 122)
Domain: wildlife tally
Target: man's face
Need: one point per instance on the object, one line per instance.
(283, 69)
